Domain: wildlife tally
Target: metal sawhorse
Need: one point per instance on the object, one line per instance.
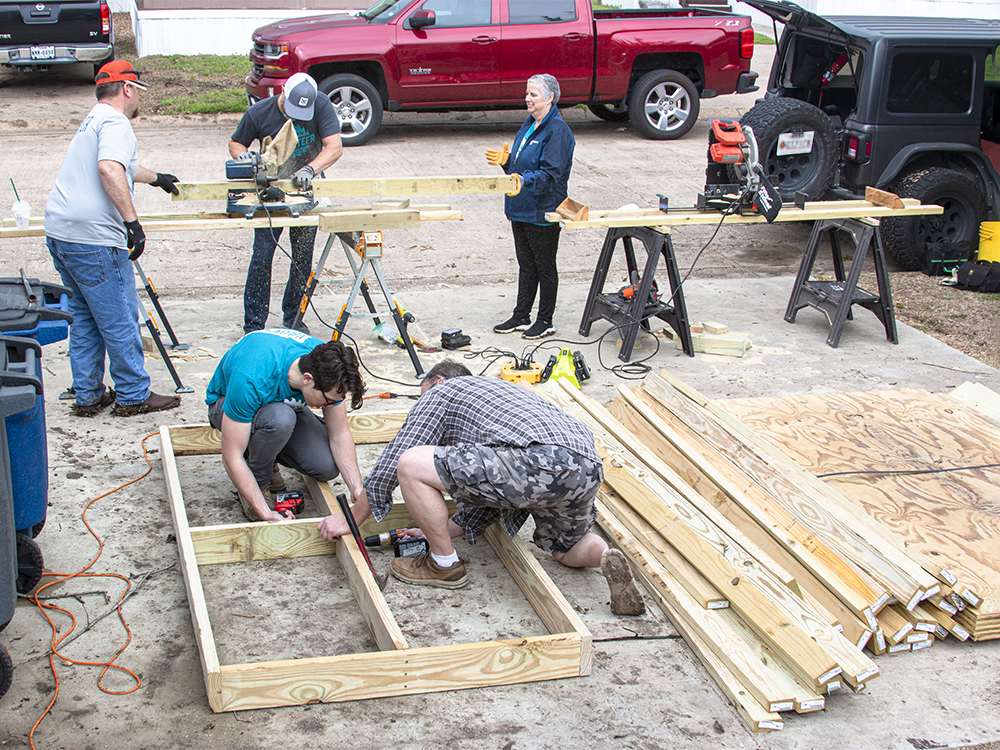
(630, 314)
(835, 298)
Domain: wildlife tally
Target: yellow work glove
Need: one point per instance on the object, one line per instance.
(498, 158)
(518, 182)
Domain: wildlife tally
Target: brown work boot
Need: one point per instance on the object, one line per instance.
(154, 402)
(92, 410)
(277, 481)
(423, 571)
(625, 596)
(248, 509)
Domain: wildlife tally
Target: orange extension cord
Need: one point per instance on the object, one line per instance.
(82, 573)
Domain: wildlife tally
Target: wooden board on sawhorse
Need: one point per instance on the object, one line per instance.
(835, 298)
(630, 314)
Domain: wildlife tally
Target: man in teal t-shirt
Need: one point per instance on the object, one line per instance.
(259, 397)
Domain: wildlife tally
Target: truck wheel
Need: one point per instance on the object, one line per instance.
(810, 173)
(909, 241)
(358, 106)
(610, 112)
(663, 105)
(29, 564)
(6, 671)
(102, 63)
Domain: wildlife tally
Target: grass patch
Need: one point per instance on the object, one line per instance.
(209, 102)
(759, 38)
(205, 66)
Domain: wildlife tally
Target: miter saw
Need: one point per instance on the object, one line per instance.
(263, 196)
(734, 179)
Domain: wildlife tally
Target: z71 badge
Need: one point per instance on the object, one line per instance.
(420, 71)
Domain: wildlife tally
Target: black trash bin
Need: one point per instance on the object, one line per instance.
(40, 311)
(17, 394)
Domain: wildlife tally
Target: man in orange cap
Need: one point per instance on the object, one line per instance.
(90, 226)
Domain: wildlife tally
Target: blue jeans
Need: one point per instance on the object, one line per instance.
(105, 309)
(257, 293)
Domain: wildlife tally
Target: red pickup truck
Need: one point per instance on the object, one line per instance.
(650, 66)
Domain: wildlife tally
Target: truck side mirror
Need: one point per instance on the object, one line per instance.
(422, 18)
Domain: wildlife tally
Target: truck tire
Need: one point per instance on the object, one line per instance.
(610, 112)
(29, 563)
(102, 63)
(907, 240)
(6, 671)
(809, 173)
(358, 106)
(663, 105)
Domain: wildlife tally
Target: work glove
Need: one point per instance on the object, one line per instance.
(246, 156)
(135, 239)
(303, 179)
(518, 183)
(166, 182)
(498, 158)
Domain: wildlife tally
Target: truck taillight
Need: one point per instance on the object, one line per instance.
(858, 148)
(746, 43)
(105, 19)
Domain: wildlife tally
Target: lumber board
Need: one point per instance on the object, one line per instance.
(244, 542)
(353, 221)
(698, 587)
(366, 429)
(739, 688)
(855, 588)
(383, 674)
(543, 595)
(398, 517)
(359, 187)
(819, 597)
(813, 211)
(210, 666)
(977, 395)
(374, 608)
(780, 617)
(949, 519)
(825, 511)
(586, 409)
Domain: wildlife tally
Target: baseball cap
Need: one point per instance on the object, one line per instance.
(300, 96)
(119, 70)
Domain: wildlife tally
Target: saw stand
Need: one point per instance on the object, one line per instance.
(835, 298)
(629, 315)
(370, 255)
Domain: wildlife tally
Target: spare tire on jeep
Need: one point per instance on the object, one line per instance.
(952, 235)
(805, 166)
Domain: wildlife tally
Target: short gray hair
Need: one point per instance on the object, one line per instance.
(548, 85)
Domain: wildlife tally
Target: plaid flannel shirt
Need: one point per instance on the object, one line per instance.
(478, 411)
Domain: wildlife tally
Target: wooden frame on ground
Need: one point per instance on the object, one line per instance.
(396, 669)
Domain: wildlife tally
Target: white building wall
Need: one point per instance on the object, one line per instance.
(989, 9)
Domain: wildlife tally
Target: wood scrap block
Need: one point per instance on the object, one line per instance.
(716, 328)
(882, 198)
(730, 345)
(571, 210)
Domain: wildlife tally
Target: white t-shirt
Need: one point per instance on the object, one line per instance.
(78, 209)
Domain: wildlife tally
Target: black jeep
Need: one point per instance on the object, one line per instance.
(910, 105)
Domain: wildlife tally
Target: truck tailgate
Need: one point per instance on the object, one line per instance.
(27, 23)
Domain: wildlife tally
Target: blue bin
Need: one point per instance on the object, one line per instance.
(40, 311)
(17, 394)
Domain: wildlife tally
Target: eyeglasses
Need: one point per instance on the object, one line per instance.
(328, 402)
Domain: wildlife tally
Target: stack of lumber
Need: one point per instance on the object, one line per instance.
(712, 338)
(777, 580)
(922, 466)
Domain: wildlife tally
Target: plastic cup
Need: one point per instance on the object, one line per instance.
(22, 212)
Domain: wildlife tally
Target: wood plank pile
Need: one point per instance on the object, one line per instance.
(923, 466)
(776, 581)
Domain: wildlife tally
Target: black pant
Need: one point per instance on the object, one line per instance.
(536, 249)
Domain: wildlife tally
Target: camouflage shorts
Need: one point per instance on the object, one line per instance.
(554, 485)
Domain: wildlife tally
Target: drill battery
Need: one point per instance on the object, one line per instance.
(292, 501)
(410, 546)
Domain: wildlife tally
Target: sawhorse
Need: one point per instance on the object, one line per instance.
(835, 298)
(369, 260)
(630, 314)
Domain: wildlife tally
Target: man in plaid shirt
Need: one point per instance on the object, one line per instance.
(500, 452)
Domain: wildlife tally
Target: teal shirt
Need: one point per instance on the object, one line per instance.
(255, 372)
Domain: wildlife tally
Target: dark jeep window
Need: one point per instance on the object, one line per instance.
(541, 11)
(930, 83)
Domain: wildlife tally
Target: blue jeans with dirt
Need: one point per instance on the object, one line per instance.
(105, 309)
(257, 293)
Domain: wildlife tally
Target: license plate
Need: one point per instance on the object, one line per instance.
(795, 143)
(43, 53)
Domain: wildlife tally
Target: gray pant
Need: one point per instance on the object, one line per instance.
(289, 434)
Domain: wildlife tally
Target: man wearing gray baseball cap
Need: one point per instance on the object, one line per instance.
(318, 130)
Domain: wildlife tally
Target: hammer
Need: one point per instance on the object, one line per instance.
(346, 510)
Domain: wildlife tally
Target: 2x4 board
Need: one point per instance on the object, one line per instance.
(395, 669)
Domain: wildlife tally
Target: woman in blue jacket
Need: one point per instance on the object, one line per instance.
(542, 156)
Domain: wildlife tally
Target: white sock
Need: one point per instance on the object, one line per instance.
(445, 561)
